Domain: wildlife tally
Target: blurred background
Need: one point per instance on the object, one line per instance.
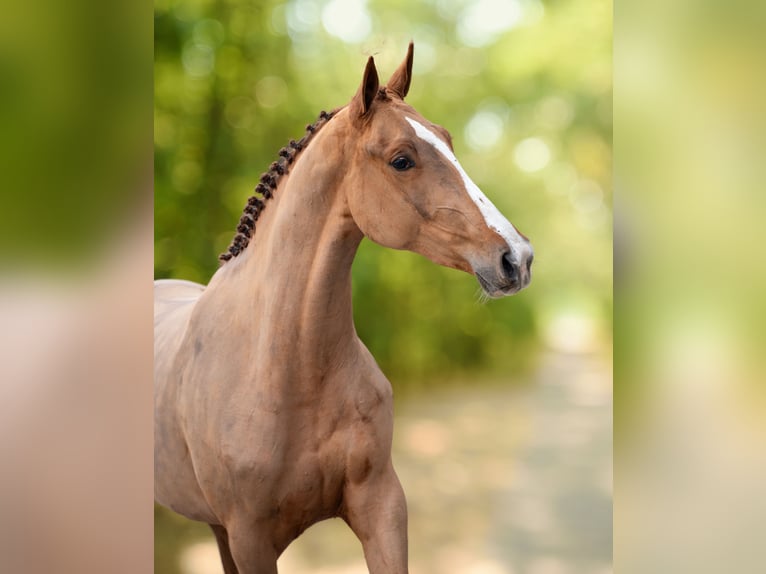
(503, 430)
(505, 462)
(690, 279)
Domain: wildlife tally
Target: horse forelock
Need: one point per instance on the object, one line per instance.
(269, 181)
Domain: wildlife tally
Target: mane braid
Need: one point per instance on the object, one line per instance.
(268, 184)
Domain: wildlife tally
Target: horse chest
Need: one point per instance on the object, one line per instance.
(309, 489)
(310, 486)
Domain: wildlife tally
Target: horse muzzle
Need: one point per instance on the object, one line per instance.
(509, 274)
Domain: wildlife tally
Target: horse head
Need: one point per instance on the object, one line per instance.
(406, 189)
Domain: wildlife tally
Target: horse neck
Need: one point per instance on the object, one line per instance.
(295, 275)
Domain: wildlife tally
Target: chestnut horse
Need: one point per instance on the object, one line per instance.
(270, 413)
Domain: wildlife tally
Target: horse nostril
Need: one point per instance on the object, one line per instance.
(529, 263)
(510, 269)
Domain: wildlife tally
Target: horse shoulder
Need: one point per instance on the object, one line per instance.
(372, 385)
(372, 422)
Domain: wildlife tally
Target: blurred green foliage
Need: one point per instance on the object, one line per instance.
(523, 86)
(75, 129)
(692, 138)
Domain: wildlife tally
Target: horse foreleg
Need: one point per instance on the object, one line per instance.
(376, 511)
(222, 538)
(251, 550)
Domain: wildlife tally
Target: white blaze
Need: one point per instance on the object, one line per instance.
(492, 216)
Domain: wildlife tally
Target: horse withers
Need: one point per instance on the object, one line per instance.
(270, 413)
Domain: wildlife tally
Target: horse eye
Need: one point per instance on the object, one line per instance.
(402, 163)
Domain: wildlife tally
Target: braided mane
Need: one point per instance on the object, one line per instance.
(265, 189)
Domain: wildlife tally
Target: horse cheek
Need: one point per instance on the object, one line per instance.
(396, 227)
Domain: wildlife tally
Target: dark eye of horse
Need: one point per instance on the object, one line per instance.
(402, 163)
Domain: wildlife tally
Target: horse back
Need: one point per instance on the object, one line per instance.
(172, 293)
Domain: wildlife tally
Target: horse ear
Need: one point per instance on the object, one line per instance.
(362, 101)
(400, 79)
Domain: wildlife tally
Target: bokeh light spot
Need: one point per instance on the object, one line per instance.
(209, 32)
(586, 196)
(271, 91)
(198, 59)
(348, 20)
(532, 154)
(571, 331)
(483, 21)
(484, 130)
(302, 17)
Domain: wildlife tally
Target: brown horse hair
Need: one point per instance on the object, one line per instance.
(268, 184)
